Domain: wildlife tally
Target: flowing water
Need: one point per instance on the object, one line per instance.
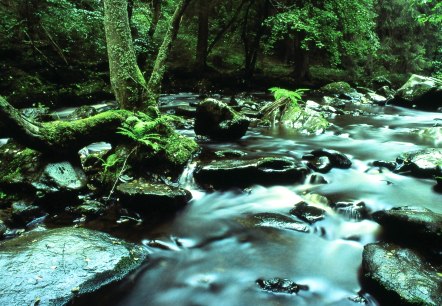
(214, 251)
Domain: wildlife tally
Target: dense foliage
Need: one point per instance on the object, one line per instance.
(310, 42)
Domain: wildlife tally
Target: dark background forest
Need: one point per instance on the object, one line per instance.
(53, 52)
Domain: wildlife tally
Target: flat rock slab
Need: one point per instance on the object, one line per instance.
(401, 276)
(53, 267)
(148, 198)
(241, 173)
(408, 222)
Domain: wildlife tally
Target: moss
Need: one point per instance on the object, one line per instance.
(337, 88)
(16, 163)
(178, 149)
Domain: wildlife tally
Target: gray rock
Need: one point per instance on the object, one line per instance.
(219, 121)
(53, 267)
(422, 163)
(400, 276)
(147, 198)
(278, 221)
(24, 213)
(353, 211)
(242, 173)
(406, 223)
(420, 92)
(61, 176)
(3, 228)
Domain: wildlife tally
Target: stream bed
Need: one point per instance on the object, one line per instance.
(216, 249)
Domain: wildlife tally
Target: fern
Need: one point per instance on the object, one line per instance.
(144, 129)
(293, 96)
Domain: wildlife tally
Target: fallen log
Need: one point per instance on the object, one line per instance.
(59, 137)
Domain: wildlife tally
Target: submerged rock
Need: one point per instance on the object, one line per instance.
(147, 198)
(353, 211)
(422, 163)
(420, 92)
(219, 121)
(54, 267)
(406, 223)
(242, 173)
(400, 276)
(278, 221)
(280, 285)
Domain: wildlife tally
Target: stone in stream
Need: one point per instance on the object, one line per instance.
(280, 285)
(54, 267)
(400, 276)
(218, 121)
(335, 160)
(23, 212)
(420, 92)
(354, 211)
(423, 163)
(277, 221)
(242, 173)
(147, 198)
(307, 212)
(412, 224)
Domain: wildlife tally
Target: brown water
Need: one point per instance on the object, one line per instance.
(213, 252)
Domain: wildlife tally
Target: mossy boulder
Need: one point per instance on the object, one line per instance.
(55, 267)
(400, 276)
(242, 173)
(218, 121)
(337, 89)
(420, 92)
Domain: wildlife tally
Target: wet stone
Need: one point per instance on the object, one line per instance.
(3, 228)
(337, 159)
(422, 163)
(384, 164)
(400, 276)
(279, 221)
(24, 213)
(56, 266)
(321, 164)
(317, 179)
(280, 285)
(307, 212)
(147, 198)
(242, 173)
(230, 153)
(353, 211)
(412, 223)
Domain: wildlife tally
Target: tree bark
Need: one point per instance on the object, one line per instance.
(59, 138)
(301, 71)
(154, 85)
(127, 80)
(156, 14)
(203, 35)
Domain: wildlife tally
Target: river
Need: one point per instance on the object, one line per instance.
(214, 251)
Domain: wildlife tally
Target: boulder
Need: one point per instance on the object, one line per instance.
(277, 221)
(219, 121)
(23, 212)
(422, 163)
(148, 198)
(398, 276)
(54, 267)
(420, 92)
(242, 173)
(408, 223)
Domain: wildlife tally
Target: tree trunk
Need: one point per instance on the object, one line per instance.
(127, 80)
(59, 138)
(301, 71)
(154, 85)
(203, 35)
(156, 14)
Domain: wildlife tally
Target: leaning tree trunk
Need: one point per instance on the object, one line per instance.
(127, 80)
(154, 85)
(59, 138)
